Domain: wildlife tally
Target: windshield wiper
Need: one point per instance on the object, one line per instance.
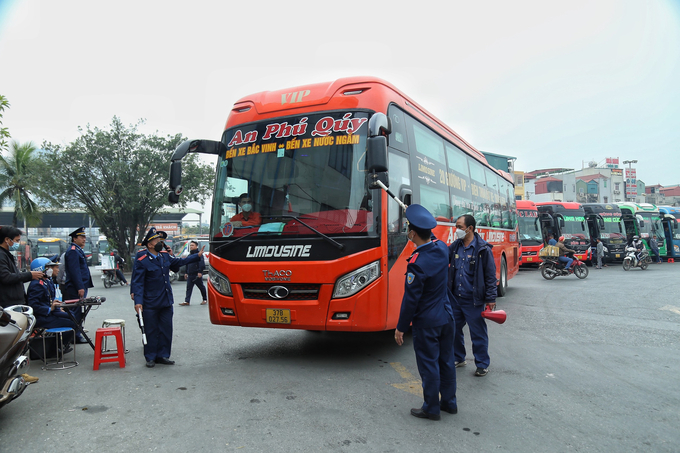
(327, 238)
(234, 241)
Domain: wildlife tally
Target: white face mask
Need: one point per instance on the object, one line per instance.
(247, 207)
(48, 272)
(460, 234)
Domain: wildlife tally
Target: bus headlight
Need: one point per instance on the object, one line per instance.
(357, 280)
(220, 282)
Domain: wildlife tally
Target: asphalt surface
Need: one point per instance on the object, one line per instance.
(581, 365)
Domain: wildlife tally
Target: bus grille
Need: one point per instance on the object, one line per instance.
(295, 291)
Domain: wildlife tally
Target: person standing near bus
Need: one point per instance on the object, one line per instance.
(427, 306)
(152, 294)
(472, 279)
(195, 277)
(654, 247)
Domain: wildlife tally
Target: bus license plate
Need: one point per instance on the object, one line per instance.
(618, 255)
(278, 316)
(530, 259)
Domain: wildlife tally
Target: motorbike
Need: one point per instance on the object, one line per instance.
(631, 261)
(16, 326)
(110, 278)
(551, 267)
(173, 276)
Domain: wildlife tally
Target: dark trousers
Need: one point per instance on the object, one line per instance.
(158, 329)
(191, 281)
(434, 356)
(466, 312)
(57, 319)
(120, 275)
(69, 293)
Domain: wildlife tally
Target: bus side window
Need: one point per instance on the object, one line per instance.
(397, 138)
(400, 180)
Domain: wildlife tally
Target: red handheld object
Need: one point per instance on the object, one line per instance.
(498, 316)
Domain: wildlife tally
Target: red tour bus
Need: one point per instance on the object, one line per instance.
(328, 249)
(568, 219)
(529, 231)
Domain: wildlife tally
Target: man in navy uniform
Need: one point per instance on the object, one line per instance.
(153, 295)
(42, 298)
(78, 278)
(427, 304)
(472, 280)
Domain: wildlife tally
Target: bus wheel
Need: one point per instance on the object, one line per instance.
(503, 283)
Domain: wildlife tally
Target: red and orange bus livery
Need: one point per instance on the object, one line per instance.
(330, 253)
(530, 234)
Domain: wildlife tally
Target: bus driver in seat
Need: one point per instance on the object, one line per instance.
(246, 217)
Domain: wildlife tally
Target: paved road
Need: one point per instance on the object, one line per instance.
(588, 366)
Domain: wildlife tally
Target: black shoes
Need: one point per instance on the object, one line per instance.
(422, 414)
(164, 361)
(481, 372)
(150, 364)
(450, 410)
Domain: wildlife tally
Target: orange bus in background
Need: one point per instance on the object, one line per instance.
(330, 252)
(530, 234)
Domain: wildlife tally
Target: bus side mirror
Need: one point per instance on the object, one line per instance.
(561, 222)
(600, 222)
(376, 154)
(175, 181)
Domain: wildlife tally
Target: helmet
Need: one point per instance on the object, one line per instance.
(114, 251)
(561, 238)
(636, 237)
(39, 264)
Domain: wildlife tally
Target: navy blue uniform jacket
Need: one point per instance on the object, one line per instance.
(77, 273)
(427, 297)
(150, 278)
(196, 268)
(483, 272)
(41, 293)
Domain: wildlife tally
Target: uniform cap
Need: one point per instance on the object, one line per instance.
(420, 217)
(153, 234)
(79, 232)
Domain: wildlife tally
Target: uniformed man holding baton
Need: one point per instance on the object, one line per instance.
(152, 294)
(427, 305)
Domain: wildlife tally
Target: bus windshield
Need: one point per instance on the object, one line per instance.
(529, 230)
(299, 174)
(614, 229)
(48, 248)
(652, 225)
(575, 226)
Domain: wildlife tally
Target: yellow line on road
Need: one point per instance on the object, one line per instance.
(412, 385)
(671, 308)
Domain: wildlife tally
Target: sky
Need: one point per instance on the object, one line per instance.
(554, 84)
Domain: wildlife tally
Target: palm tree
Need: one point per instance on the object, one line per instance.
(17, 182)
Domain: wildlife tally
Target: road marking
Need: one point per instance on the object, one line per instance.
(671, 308)
(412, 385)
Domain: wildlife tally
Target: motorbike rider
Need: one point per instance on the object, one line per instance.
(639, 246)
(563, 251)
(119, 265)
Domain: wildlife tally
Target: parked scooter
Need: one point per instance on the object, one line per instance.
(16, 326)
(631, 261)
(551, 267)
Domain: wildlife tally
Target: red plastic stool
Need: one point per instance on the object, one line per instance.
(116, 356)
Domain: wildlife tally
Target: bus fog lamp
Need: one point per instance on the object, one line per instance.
(228, 311)
(220, 282)
(344, 315)
(357, 280)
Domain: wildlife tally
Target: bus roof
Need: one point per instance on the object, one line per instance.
(525, 204)
(600, 207)
(346, 93)
(50, 240)
(563, 204)
(670, 210)
(639, 207)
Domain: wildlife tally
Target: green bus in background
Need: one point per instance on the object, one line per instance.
(644, 220)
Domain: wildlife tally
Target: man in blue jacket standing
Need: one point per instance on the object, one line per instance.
(152, 294)
(78, 278)
(427, 305)
(472, 279)
(195, 276)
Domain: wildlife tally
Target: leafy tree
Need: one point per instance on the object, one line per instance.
(4, 132)
(18, 182)
(120, 176)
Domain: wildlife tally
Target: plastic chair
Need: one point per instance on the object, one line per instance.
(104, 357)
(59, 363)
